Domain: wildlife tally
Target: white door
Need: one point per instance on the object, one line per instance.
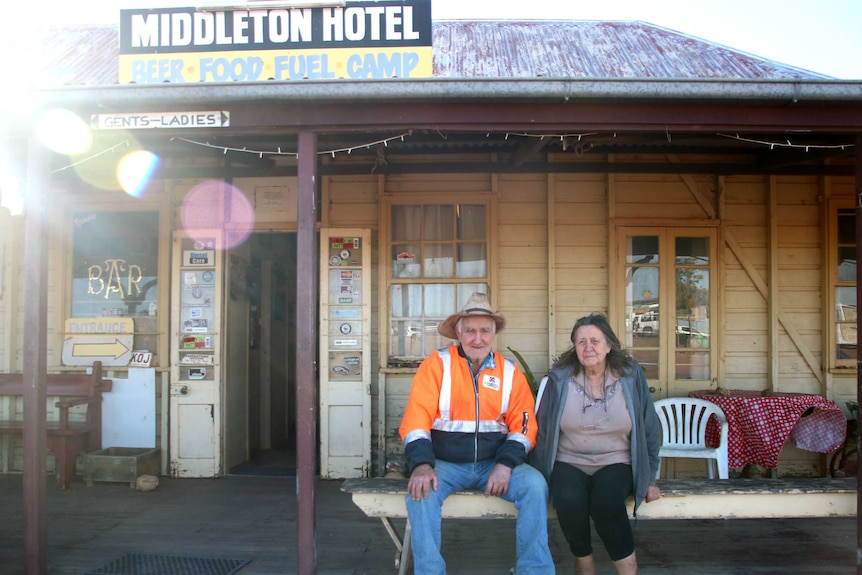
(195, 391)
(345, 353)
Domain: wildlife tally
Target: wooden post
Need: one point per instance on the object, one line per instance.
(35, 363)
(858, 363)
(306, 353)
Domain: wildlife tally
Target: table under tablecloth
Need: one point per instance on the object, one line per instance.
(759, 426)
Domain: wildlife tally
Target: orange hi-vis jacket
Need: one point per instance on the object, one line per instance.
(451, 415)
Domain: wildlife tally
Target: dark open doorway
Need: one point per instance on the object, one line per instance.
(270, 286)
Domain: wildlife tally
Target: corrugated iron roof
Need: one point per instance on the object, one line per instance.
(591, 49)
(74, 56)
(88, 55)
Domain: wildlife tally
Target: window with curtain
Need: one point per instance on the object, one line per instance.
(438, 256)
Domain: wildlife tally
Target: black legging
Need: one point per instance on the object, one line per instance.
(578, 496)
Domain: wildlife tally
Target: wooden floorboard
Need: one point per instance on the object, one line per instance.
(255, 518)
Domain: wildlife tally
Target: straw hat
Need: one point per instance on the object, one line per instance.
(477, 305)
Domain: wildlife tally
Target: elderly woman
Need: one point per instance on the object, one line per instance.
(598, 443)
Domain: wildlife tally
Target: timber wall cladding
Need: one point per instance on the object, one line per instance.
(797, 250)
(745, 263)
(522, 260)
(800, 254)
(580, 251)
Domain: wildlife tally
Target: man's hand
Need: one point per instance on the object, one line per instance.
(422, 481)
(653, 492)
(498, 481)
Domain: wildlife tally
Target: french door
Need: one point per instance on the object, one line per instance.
(670, 302)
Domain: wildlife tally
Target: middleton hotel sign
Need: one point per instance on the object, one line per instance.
(357, 40)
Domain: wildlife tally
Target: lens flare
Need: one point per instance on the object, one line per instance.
(135, 170)
(63, 132)
(213, 205)
(10, 191)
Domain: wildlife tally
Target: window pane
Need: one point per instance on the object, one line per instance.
(847, 264)
(406, 300)
(642, 250)
(471, 222)
(438, 261)
(115, 264)
(692, 298)
(692, 251)
(471, 261)
(406, 339)
(690, 337)
(405, 261)
(692, 365)
(845, 303)
(648, 358)
(439, 222)
(845, 341)
(642, 292)
(439, 300)
(406, 223)
(465, 291)
(846, 227)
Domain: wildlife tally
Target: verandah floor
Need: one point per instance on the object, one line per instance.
(254, 518)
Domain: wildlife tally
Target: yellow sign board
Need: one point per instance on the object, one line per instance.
(355, 64)
(105, 339)
(99, 325)
(111, 350)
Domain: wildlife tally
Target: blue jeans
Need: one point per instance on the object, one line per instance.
(527, 490)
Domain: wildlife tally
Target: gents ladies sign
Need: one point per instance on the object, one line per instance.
(357, 41)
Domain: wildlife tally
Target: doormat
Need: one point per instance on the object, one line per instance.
(141, 564)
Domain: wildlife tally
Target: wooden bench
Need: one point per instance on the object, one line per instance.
(681, 499)
(65, 438)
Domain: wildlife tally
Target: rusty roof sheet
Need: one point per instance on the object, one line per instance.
(591, 49)
(74, 56)
(88, 55)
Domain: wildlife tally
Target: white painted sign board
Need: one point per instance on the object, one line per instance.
(129, 410)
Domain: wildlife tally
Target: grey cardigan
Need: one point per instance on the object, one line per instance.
(646, 433)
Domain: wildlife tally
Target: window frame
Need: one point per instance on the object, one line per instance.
(386, 281)
(667, 347)
(159, 205)
(836, 207)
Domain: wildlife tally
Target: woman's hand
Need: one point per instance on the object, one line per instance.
(653, 492)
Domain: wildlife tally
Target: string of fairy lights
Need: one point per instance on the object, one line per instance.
(565, 139)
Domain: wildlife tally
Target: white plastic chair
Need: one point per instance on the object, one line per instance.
(683, 423)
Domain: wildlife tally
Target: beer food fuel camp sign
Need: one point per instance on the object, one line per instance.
(354, 40)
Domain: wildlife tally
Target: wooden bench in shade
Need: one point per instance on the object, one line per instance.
(65, 438)
(681, 499)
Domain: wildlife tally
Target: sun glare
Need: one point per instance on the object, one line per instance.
(135, 170)
(64, 132)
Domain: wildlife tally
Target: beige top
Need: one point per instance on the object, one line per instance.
(596, 432)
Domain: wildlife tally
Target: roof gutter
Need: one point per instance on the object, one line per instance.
(509, 90)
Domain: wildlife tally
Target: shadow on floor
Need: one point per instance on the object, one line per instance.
(268, 463)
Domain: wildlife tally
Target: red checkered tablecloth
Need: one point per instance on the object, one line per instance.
(759, 426)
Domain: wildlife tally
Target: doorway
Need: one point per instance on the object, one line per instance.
(266, 291)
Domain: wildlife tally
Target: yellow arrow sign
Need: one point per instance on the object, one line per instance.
(113, 349)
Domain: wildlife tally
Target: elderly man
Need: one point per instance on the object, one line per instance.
(469, 423)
